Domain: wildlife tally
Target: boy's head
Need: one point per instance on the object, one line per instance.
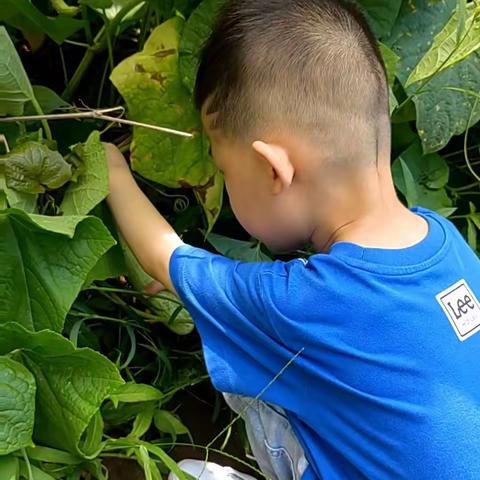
(291, 91)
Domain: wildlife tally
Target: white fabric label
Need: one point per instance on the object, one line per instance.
(462, 309)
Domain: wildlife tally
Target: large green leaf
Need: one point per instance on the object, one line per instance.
(91, 187)
(22, 14)
(17, 406)
(71, 383)
(150, 83)
(196, 32)
(381, 15)
(32, 168)
(446, 50)
(15, 87)
(45, 261)
(422, 178)
(9, 467)
(441, 113)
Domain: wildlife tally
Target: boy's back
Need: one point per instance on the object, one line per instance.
(379, 384)
(370, 347)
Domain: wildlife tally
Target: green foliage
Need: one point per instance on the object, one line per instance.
(195, 34)
(15, 88)
(441, 113)
(91, 185)
(33, 167)
(17, 398)
(448, 48)
(150, 83)
(65, 376)
(37, 289)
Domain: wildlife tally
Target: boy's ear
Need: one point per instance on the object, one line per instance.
(279, 163)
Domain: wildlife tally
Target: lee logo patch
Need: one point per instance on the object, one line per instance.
(462, 309)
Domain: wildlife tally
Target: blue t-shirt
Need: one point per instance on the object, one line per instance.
(385, 377)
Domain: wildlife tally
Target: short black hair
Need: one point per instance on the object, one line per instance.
(311, 65)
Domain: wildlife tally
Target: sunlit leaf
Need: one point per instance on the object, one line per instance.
(150, 83)
(440, 113)
(446, 51)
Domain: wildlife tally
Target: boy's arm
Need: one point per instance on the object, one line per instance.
(148, 234)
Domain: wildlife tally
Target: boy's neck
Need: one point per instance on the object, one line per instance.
(368, 214)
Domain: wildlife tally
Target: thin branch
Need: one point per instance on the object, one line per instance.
(100, 114)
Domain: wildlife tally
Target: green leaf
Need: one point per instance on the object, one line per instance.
(471, 234)
(150, 83)
(167, 307)
(422, 178)
(238, 249)
(15, 88)
(381, 15)
(91, 445)
(135, 392)
(9, 468)
(390, 58)
(33, 167)
(17, 406)
(45, 261)
(446, 50)
(37, 474)
(441, 113)
(47, 99)
(142, 422)
(21, 200)
(22, 14)
(406, 181)
(71, 383)
(210, 197)
(91, 186)
(100, 4)
(196, 32)
(167, 422)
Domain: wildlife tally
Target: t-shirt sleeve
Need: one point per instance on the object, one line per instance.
(242, 350)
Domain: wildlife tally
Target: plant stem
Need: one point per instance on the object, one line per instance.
(86, 24)
(100, 43)
(45, 125)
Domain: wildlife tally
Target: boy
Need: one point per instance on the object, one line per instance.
(362, 362)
